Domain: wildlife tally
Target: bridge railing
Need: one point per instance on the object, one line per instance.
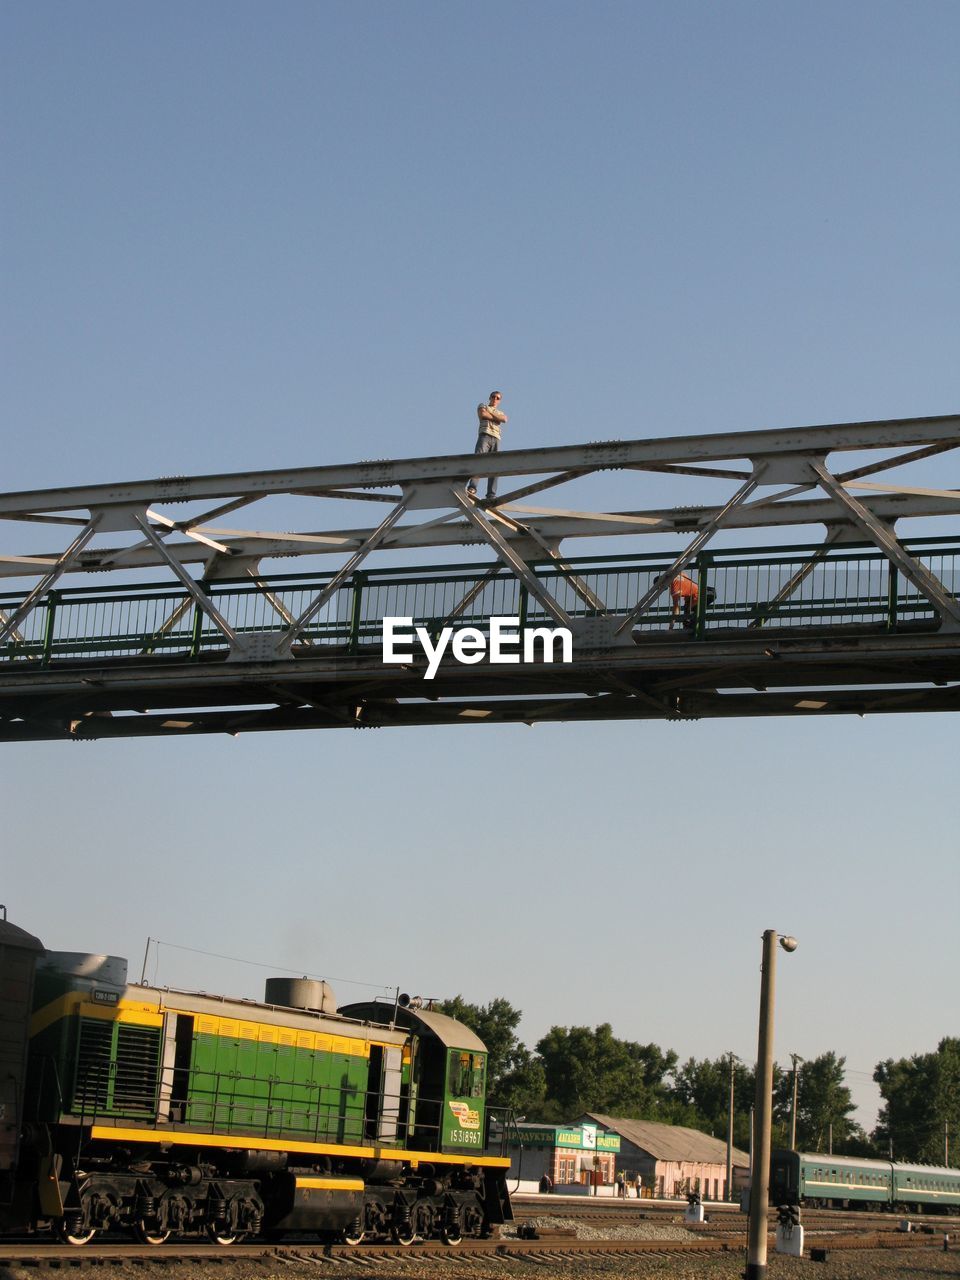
(809, 586)
(813, 588)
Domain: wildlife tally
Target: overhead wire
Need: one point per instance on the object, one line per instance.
(257, 964)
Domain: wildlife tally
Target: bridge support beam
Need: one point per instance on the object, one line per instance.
(880, 535)
(684, 558)
(200, 597)
(338, 579)
(510, 558)
(46, 582)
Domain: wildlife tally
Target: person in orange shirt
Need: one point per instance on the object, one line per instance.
(684, 591)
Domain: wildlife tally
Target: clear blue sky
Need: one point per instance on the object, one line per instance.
(240, 236)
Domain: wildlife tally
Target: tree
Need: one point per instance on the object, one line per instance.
(524, 1087)
(591, 1070)
(702, 1090)
(822, 1100)
(921, 1105)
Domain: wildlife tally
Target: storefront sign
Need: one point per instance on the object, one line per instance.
(582, 1138)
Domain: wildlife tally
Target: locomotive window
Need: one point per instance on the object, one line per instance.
(460, 1064)
(466, 1074)
(476, 1090)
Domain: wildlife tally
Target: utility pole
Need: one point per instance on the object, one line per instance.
(751, 1139)
(729, 1194)
(760, 1165)
(795, 1059)
(946, 1142)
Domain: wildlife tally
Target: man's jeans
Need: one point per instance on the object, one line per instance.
(487, 443)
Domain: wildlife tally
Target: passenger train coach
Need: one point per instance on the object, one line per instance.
(847, 1182)
(158, 1112)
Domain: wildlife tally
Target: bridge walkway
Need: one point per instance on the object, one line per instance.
(808, 589)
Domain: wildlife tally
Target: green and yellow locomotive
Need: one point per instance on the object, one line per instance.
(160, 1112)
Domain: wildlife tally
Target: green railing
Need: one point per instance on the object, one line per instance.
(807, 586)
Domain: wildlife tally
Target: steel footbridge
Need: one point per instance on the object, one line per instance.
(823, 589)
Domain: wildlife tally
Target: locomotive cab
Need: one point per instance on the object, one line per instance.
(445, 1092)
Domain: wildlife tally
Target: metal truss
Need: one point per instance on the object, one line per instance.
(775, 479)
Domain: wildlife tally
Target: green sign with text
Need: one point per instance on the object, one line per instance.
(582, 1138)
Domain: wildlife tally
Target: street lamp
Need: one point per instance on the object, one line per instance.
(760, 1171)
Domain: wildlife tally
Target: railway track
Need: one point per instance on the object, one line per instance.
(724, 1232)
(554, 1246)
(725, 1218)
(550, 1244)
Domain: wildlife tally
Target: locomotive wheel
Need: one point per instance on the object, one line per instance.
(451, 1234)
(403, 1233)
(71, 1234)
(353, 1235)
(224, 1235)
(151, 1233)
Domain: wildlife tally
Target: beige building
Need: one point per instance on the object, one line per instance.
(671, 1160)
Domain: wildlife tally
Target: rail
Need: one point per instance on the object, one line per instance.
(810, 586)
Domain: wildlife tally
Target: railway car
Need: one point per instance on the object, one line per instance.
(925, 1187)
(164, 1112)
(848, 1182)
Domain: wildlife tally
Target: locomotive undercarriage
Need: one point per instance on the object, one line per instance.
(155, 1202)
(230, 1196)
(407, 1213)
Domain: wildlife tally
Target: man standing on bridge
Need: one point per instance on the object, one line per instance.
(491, 419)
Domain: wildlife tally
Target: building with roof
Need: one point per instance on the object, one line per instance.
(577, 1158)
(670, 1159)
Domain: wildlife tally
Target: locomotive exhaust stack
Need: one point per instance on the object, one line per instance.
(300, 993)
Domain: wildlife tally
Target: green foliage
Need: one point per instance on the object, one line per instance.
(594, 1071)
(579, 1069)
(703, 1089)
(921, 1096)
(524, 1087)
(822, 1100)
